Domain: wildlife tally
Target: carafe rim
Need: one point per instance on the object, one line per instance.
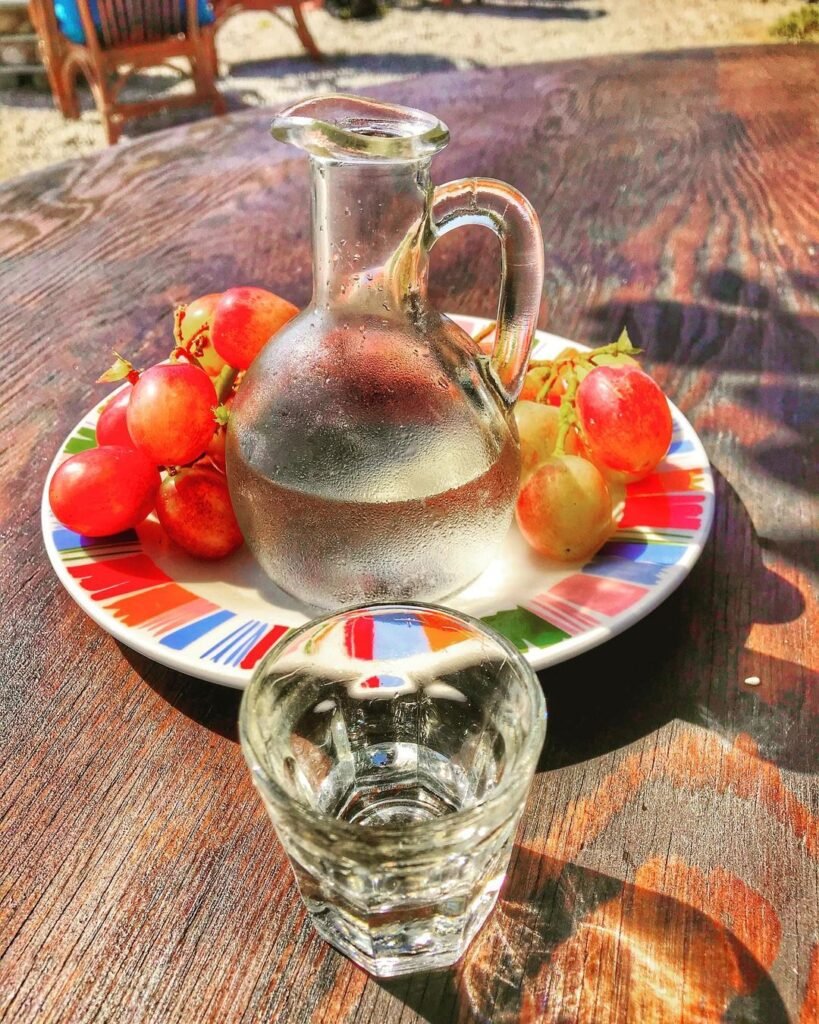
(357, 128)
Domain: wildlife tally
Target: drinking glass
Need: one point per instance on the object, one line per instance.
(393, 746)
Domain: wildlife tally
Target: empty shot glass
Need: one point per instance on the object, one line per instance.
(393, 746)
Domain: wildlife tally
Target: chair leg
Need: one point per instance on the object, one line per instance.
(61, 81)
(209, 42)
(304, 34)
(112, 122)
(203, 69)
(67, 95)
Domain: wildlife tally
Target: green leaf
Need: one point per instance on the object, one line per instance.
(85, 438)
(119, 371)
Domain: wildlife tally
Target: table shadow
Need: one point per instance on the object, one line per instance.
(210, 705)
(565, 940)
(645, 677)
(741, 328)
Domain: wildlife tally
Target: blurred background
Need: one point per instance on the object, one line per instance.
(260, 60)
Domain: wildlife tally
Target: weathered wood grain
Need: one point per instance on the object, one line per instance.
(668, 866)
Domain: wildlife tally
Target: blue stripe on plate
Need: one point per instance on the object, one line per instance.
(647, 573)
(658, 554)
(65, 539)
(180, 638)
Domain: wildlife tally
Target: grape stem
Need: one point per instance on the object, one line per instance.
(582, 360)
(568, 417)
(224, 382)
(183, 353)
(485, 331)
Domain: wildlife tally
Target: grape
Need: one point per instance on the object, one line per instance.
(215, 450)
(192, 331)
(170, 414)
(533, 382)
(538, 426)
(564, 509)
(195, 510)
(112, 426)
(103, 490)
(625, 420)
(244, 321)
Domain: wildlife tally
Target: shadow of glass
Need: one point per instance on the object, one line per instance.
(212, 706)
(566, 943)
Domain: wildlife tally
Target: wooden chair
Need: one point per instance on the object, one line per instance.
(226, 8)
(133, 34)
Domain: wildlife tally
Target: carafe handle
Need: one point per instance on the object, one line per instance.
(502, 209)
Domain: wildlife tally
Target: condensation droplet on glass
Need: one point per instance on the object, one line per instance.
(386, 306)
(356, 257)
(343, 289)
(369, 277)
(348, 211)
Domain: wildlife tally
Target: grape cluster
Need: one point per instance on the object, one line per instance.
(589, 423)
(161, 438)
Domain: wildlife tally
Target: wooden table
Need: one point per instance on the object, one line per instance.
(667, 866)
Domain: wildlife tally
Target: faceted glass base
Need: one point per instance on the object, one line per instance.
(392, 944)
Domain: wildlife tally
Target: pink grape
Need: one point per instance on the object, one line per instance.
(244, 320)
(170, 414)
(112, 425)
(103, 491)
(625, 420)
(564, 509)
(195, 510)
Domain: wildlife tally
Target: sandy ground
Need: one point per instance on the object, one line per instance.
(262, 62)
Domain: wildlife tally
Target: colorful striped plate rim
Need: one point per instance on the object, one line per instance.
(215, 621)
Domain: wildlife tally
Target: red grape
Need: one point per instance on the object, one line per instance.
(244, 321)
(170, 414)
(103, 490)
(193, 324)
(112, 426)
(625, 420)
(564, 508)
(215, 450)
(194, 508)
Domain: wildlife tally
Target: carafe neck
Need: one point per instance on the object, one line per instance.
(370, 224)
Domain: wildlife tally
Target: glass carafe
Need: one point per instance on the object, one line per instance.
(372, 452)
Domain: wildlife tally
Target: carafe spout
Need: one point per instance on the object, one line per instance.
(349, 128)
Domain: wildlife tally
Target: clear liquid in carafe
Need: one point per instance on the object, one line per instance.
(378, 475)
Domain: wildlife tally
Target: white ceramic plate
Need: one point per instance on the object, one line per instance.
(215, 620)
